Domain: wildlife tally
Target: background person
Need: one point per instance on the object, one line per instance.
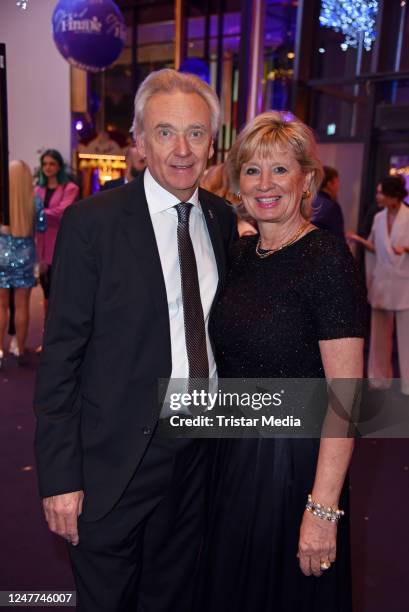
(17, 253)
(326, 212)
(13, 348)
(56, 191)
(135, 164)
(388, 283)
(292, 307)
(216, 180)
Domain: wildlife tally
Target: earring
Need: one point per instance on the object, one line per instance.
(306, 194)
(238, 196)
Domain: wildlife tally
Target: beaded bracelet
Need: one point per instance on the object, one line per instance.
(323, 512)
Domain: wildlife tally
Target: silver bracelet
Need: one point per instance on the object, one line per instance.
(323, 512)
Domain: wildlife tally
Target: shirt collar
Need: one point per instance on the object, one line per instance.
(159, 199)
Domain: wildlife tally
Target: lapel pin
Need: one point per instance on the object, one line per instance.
(210, 213)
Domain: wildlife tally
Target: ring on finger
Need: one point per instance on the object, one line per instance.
(325, 565)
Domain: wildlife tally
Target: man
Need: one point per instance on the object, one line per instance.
(326, 212)
(135, 164)
(135, 278)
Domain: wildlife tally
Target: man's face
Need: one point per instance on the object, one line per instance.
(176, 141)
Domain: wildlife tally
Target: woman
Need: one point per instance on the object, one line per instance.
(388, 283)
(292, 307)
(17, 253)
(216, 180)
(56, 192)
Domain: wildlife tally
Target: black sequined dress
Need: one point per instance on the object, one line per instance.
(268, 323)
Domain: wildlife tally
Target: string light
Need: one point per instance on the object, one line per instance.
(22, 4)
(356, 19)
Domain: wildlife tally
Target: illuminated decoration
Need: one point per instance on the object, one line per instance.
(280, 73)
(89, 34)
(21, 4)
(356, 19)
(397, 171)
(96, 169)
(288, 115)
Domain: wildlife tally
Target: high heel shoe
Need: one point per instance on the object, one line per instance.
(13, 348)
(22, 360)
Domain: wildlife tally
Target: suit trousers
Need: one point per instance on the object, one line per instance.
(142, 555)
(380, 350)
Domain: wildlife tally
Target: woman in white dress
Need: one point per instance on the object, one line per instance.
(388, 283)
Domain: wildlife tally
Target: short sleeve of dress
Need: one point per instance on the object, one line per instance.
(336, 293)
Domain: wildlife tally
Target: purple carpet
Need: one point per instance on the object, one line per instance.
(32, 558)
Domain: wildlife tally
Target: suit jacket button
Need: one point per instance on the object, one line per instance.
(146, 431)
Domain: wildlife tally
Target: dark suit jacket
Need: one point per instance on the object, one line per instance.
(113, 183)
(106, 343)
(327, 214)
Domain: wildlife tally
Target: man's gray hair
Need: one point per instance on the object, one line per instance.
(168, 81)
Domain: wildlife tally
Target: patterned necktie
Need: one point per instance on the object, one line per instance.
(195, 331)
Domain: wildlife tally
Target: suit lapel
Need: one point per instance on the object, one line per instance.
(139, 234)
(138, 230)
(214, 233)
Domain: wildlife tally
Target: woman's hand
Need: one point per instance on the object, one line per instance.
(317, 544)
(400, 250)
(42, 267)
(351, 236)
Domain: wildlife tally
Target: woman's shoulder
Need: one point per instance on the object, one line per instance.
(70, 186)
(321, 242)
(241, 250)
(327, 256)
(404, 210)
(379, 216)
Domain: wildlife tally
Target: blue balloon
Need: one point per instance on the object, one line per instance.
(89, 34)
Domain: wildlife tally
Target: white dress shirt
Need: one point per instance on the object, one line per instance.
(164, 218)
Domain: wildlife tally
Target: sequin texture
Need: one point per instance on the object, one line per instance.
(18, 255)
(273, 311)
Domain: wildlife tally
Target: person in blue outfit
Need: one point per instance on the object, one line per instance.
(18, 253)
(326, 211)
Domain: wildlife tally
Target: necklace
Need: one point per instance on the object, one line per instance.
(266, 253)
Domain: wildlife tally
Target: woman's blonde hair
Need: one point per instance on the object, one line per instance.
(21, 199)
(272, 130)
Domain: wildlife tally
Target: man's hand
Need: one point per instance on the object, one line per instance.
(62, 512)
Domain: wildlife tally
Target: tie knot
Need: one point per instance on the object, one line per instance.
(183, 209)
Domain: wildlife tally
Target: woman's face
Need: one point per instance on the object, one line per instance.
(50, 166)
(384, 201)
(272, 187)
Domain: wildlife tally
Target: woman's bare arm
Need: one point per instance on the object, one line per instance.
(342, 359)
